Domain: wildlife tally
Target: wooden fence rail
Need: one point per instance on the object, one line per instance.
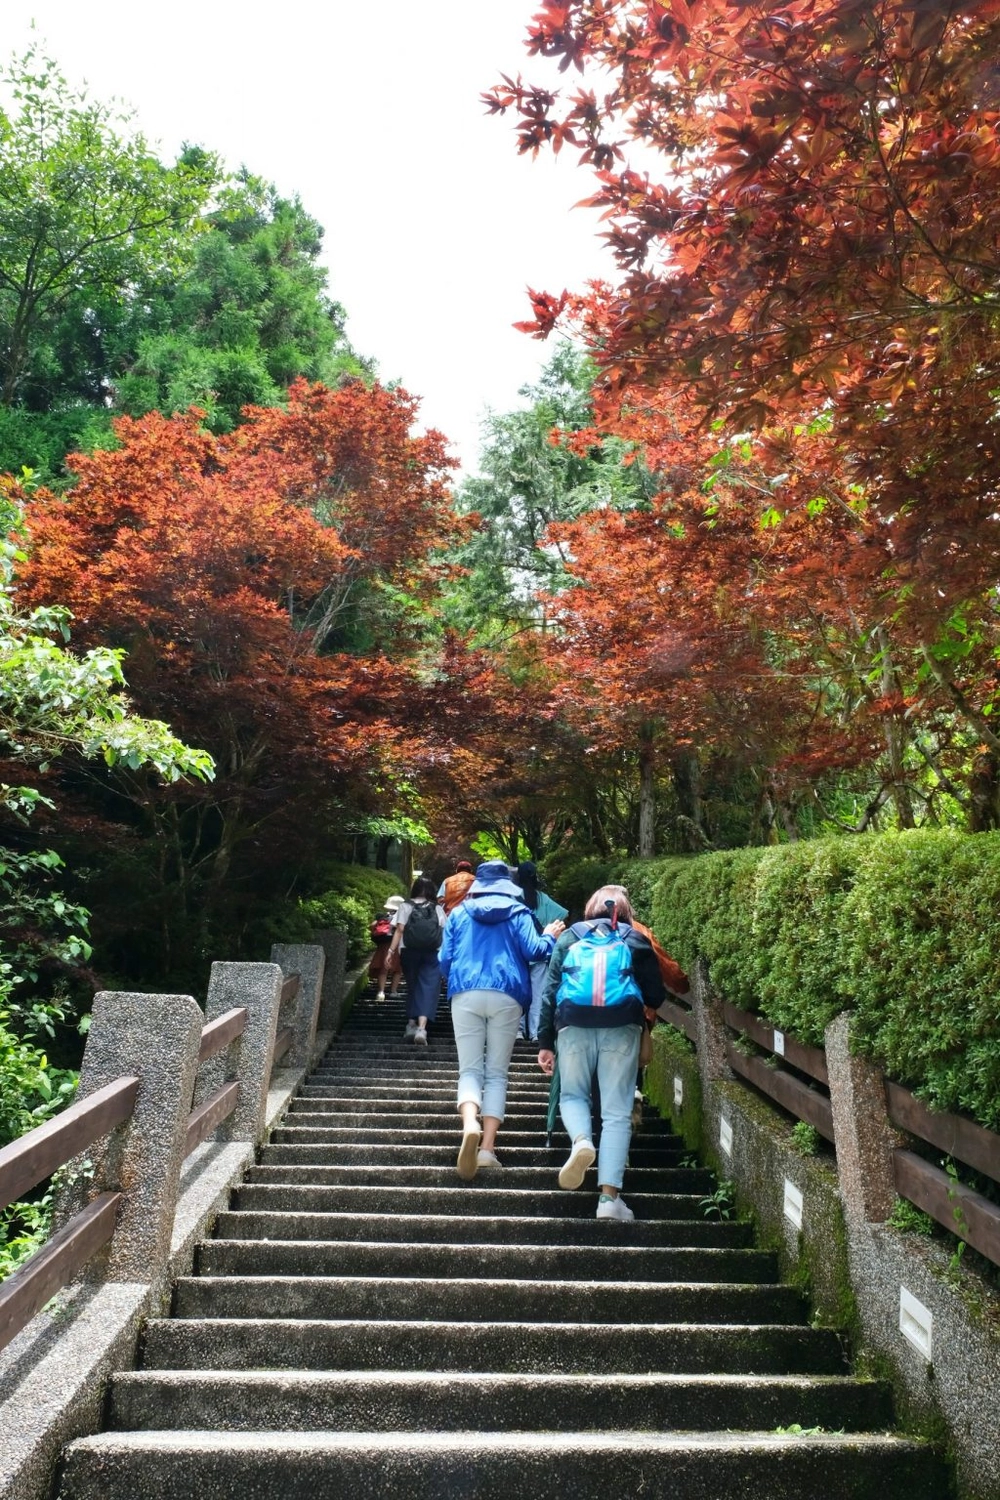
(33, 1158)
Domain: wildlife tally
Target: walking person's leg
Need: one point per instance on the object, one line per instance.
(411, 973)
(538, 973)
(577, 1052)
(426, 986)
(617, 1060)
(502, 1022)
(468, 1019)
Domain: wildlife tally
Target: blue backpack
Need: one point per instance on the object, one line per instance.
(597, 970)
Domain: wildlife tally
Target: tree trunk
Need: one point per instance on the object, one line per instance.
(895, 737)
(687, 790)
(647, 793)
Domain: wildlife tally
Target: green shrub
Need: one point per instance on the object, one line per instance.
(571, 878)
(641, 877)
(355, 895)
(902, 929)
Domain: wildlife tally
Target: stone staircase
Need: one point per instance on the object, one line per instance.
(366, 1325)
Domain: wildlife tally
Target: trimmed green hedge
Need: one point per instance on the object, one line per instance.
(902, 929)
(354, 895)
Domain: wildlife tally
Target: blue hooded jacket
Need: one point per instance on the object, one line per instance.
(491, 938)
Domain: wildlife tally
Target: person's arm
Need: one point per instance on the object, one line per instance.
(398, 925)
(547, 1017)
(535, 946)
(647, 972)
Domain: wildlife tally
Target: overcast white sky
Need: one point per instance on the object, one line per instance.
(371, 113)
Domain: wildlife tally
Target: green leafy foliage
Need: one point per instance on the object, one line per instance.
(354, 895)
(805, 1138)
(720, 1204)
(909, 1219)
(902, 929)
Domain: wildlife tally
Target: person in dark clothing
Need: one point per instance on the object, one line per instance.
(593, 1010)
(420, 961)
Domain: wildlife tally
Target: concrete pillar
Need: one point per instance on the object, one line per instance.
(331, 1006)
(249, 1058)
(865, 1139)
(309, 961)
(156, 1039)
(713, 1064)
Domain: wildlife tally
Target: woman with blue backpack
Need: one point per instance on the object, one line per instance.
(601, 975)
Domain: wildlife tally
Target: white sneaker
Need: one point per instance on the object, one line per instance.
(488, 1159)
(411, 1028)
(614, 1208)
(420, 1037)
(380, 995)
(575, 1166)
(468, 1154)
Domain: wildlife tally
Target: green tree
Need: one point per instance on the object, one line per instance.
(249, 315)
(541, 464)
(85, 211)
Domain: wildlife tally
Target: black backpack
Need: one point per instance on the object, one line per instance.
(422, 930)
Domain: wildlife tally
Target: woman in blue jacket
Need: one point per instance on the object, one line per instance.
(489, 942)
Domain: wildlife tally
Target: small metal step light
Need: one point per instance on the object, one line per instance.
(678, 1091)
(916, 1322)
(778, 1043)
(725, 1136)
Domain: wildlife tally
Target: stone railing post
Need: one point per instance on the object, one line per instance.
(331, 1006)
(308, 961)
(156, 1039)
(257, 987)
(713, 1064)
(864, 1136)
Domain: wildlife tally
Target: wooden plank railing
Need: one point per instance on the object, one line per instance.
(676, 1015)
(957, 1207)
(963, 1139)
(26, 1291)
(785, 1089)
(282, 1042)
(209, 1114)
(811, 1060)
(28, 1161)
(290, 988)
(218, 1034)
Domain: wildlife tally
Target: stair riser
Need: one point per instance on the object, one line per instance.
(551, 1158)
(471, 1198)
(533, 1348)
(526, 1179)
(367, 1471)
(345, 1404)
(468, 1301)
(430, 1229)
(613, 1263)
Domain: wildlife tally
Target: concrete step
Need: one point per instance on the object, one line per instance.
(497, 1263)
(524, 1466)
(637, 1179)
(401, 1151)
(350, 1136)
(444, 1229)
(311, 1400)
(481, 1196)
(543, 1346)
(508, 1301)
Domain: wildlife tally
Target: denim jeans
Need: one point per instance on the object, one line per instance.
(612, 1052)
(485, 1023)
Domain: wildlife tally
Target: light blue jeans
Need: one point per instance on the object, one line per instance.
(612, 1052)
(485, 1023)
(529, 1024)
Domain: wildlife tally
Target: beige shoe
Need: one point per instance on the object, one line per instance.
(488, 1159)
(575, 1167)
(468, 1154)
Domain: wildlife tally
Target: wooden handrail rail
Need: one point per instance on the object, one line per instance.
(290, 988)
(963, 1139)
(28, 1289)
(785, 1089)
(35, 1156)
(203, 1120)
(676, 1015)
(811, 1060)
(282, 1042)
(217, 1035)
(957, 1207)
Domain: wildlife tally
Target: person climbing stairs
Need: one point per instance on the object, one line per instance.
(364, 1324)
